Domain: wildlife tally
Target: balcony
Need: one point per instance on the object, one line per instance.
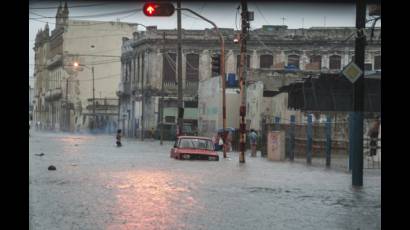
(124, 89)
(103, 105)
(54, 61)
(53, 94)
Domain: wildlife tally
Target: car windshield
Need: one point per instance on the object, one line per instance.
(195, 143)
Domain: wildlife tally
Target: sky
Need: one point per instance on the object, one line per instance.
(223, 14)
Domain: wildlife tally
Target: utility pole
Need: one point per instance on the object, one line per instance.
(142, 97)
(242, 77)
(95, 117)
(358, 96)
(179, 71)
(222, 69)
(66, 105)
(162, 93)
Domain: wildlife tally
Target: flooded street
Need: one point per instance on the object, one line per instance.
(138, 186)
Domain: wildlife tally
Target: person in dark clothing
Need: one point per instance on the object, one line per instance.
(118, 137)
(374, 135)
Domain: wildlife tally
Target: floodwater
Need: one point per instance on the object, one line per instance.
(138, 186)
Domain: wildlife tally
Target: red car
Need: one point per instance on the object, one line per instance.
(194, 148)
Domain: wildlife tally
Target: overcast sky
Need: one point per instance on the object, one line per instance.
(295, 14)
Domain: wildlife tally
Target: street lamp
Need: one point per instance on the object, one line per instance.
(222, 72)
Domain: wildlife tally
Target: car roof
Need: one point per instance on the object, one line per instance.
(194, 137)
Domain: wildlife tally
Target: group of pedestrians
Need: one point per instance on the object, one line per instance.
(218, 141)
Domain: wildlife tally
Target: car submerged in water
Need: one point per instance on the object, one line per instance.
(194, 148)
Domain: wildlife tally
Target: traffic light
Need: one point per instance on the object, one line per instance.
(216, 65)
(152, 9)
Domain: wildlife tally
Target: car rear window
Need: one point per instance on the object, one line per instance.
(195, 143)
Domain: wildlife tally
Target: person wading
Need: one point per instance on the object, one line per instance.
(118, 137)
(252, 138)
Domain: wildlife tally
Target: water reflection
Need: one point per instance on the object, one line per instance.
(152, 200)
(70, 144)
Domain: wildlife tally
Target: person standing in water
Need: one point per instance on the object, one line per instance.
(118, 137)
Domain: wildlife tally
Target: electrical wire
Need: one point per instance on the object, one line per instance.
(88, 24)
(260, 12)
(236, 17)
(82, 80)
(90, 16)
(69, 7)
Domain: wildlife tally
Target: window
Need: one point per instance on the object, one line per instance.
(169, 119)
(190, 104)
(238, 62)
(169, 68)
(368, 66)
(138, 69)
(215, 74)
(192, 64)
(266, 61)
(377, 62)
(293, 60)
(316, 60)
(335, 62)
(134, 72)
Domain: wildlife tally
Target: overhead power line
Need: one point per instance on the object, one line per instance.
(90, 16)
(260, 12)
(69, 7)
(88, 24)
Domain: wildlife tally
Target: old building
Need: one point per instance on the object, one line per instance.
(276, 56)
(64, 96)
(30, 101)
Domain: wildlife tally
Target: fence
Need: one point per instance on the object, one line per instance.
(317, 143)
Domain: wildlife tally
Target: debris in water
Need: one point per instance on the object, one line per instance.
(52, 167)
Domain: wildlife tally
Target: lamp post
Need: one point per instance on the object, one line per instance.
(222, 72)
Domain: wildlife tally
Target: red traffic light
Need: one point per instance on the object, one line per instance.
(158, 9)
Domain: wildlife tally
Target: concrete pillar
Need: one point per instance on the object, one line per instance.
(281, 58)
(304, 59)
(204, 65)
(230, 62)
(183, 69)
(254, 62)
(325, 61)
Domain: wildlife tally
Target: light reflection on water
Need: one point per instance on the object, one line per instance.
(151, 200)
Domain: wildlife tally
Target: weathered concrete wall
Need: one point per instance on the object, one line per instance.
(210, 107)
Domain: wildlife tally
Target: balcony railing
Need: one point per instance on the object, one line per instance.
(53, 94)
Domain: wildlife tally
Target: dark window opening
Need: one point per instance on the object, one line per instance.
(169, 67)
(170, 119)
(214, 70)
(377, 62)
(368, 66)
(191, 104)
(335, 62)
(316, 61)
(192, 67)
(293, 60)
(266, 61)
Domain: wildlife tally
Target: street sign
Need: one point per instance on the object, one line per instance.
(352, 72)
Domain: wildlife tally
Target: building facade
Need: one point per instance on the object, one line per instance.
(64, 96)
(30, 101)
(149, 59)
